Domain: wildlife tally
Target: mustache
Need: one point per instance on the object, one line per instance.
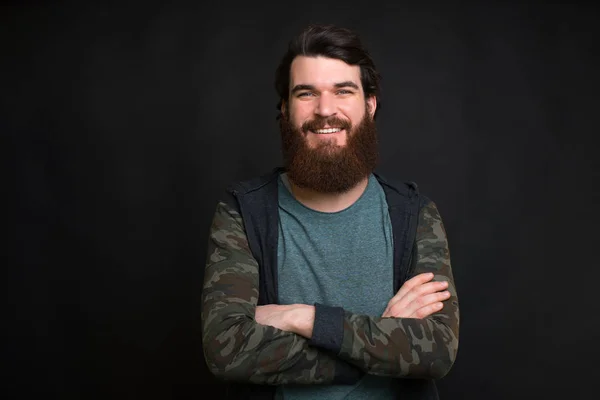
(320, 123)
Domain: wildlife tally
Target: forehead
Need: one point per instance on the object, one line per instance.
(322, 72)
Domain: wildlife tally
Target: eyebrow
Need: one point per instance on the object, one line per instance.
(338, 85)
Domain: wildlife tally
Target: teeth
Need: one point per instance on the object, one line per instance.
(329, 130)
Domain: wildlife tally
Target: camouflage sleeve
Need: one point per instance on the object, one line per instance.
(235, 346)
(409, 347)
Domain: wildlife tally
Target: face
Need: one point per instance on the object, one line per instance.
(326, 99)
(328, 134)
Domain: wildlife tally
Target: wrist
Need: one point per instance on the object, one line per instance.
(300, 319)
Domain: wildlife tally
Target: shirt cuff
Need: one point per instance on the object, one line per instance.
(328, 328)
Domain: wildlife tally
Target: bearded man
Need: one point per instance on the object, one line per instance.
(323, 279)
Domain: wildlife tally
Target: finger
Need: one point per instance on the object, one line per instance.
(407, 310)
(428, 310)
(410, 284)
(426, 300)
(418, 291)
(424, 289)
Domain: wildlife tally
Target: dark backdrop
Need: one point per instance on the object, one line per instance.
(122, 122)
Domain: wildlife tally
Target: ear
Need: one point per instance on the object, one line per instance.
(371, 105)
(283, 107)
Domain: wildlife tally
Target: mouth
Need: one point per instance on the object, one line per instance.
(326, 131)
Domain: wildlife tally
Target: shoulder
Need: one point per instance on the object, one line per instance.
(255, 183)
(249, 187)
(402, 190)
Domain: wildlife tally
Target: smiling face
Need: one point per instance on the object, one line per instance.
(329, 137)
(326, 100)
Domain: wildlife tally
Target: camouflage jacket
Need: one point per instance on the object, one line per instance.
(236, 280)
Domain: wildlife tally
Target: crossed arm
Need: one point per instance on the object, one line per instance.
(273, 344)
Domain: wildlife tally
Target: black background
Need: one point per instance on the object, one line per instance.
(121, 123)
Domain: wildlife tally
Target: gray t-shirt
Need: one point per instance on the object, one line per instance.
(342, 259)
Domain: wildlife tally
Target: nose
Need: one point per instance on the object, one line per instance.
(326, 105)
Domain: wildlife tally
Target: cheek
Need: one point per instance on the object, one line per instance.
(355, 114)
(299, 114)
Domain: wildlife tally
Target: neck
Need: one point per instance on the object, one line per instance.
(328, 202)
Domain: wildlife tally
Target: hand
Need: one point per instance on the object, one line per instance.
(417, 298)
(297, 318)
(272, 315)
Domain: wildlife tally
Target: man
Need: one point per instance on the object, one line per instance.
(323, 279)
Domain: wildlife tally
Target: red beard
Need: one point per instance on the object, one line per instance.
(329, 168)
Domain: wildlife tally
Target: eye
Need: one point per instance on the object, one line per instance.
(344, 91)
(305, 94)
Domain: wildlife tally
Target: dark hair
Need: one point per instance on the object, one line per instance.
(332, 42)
